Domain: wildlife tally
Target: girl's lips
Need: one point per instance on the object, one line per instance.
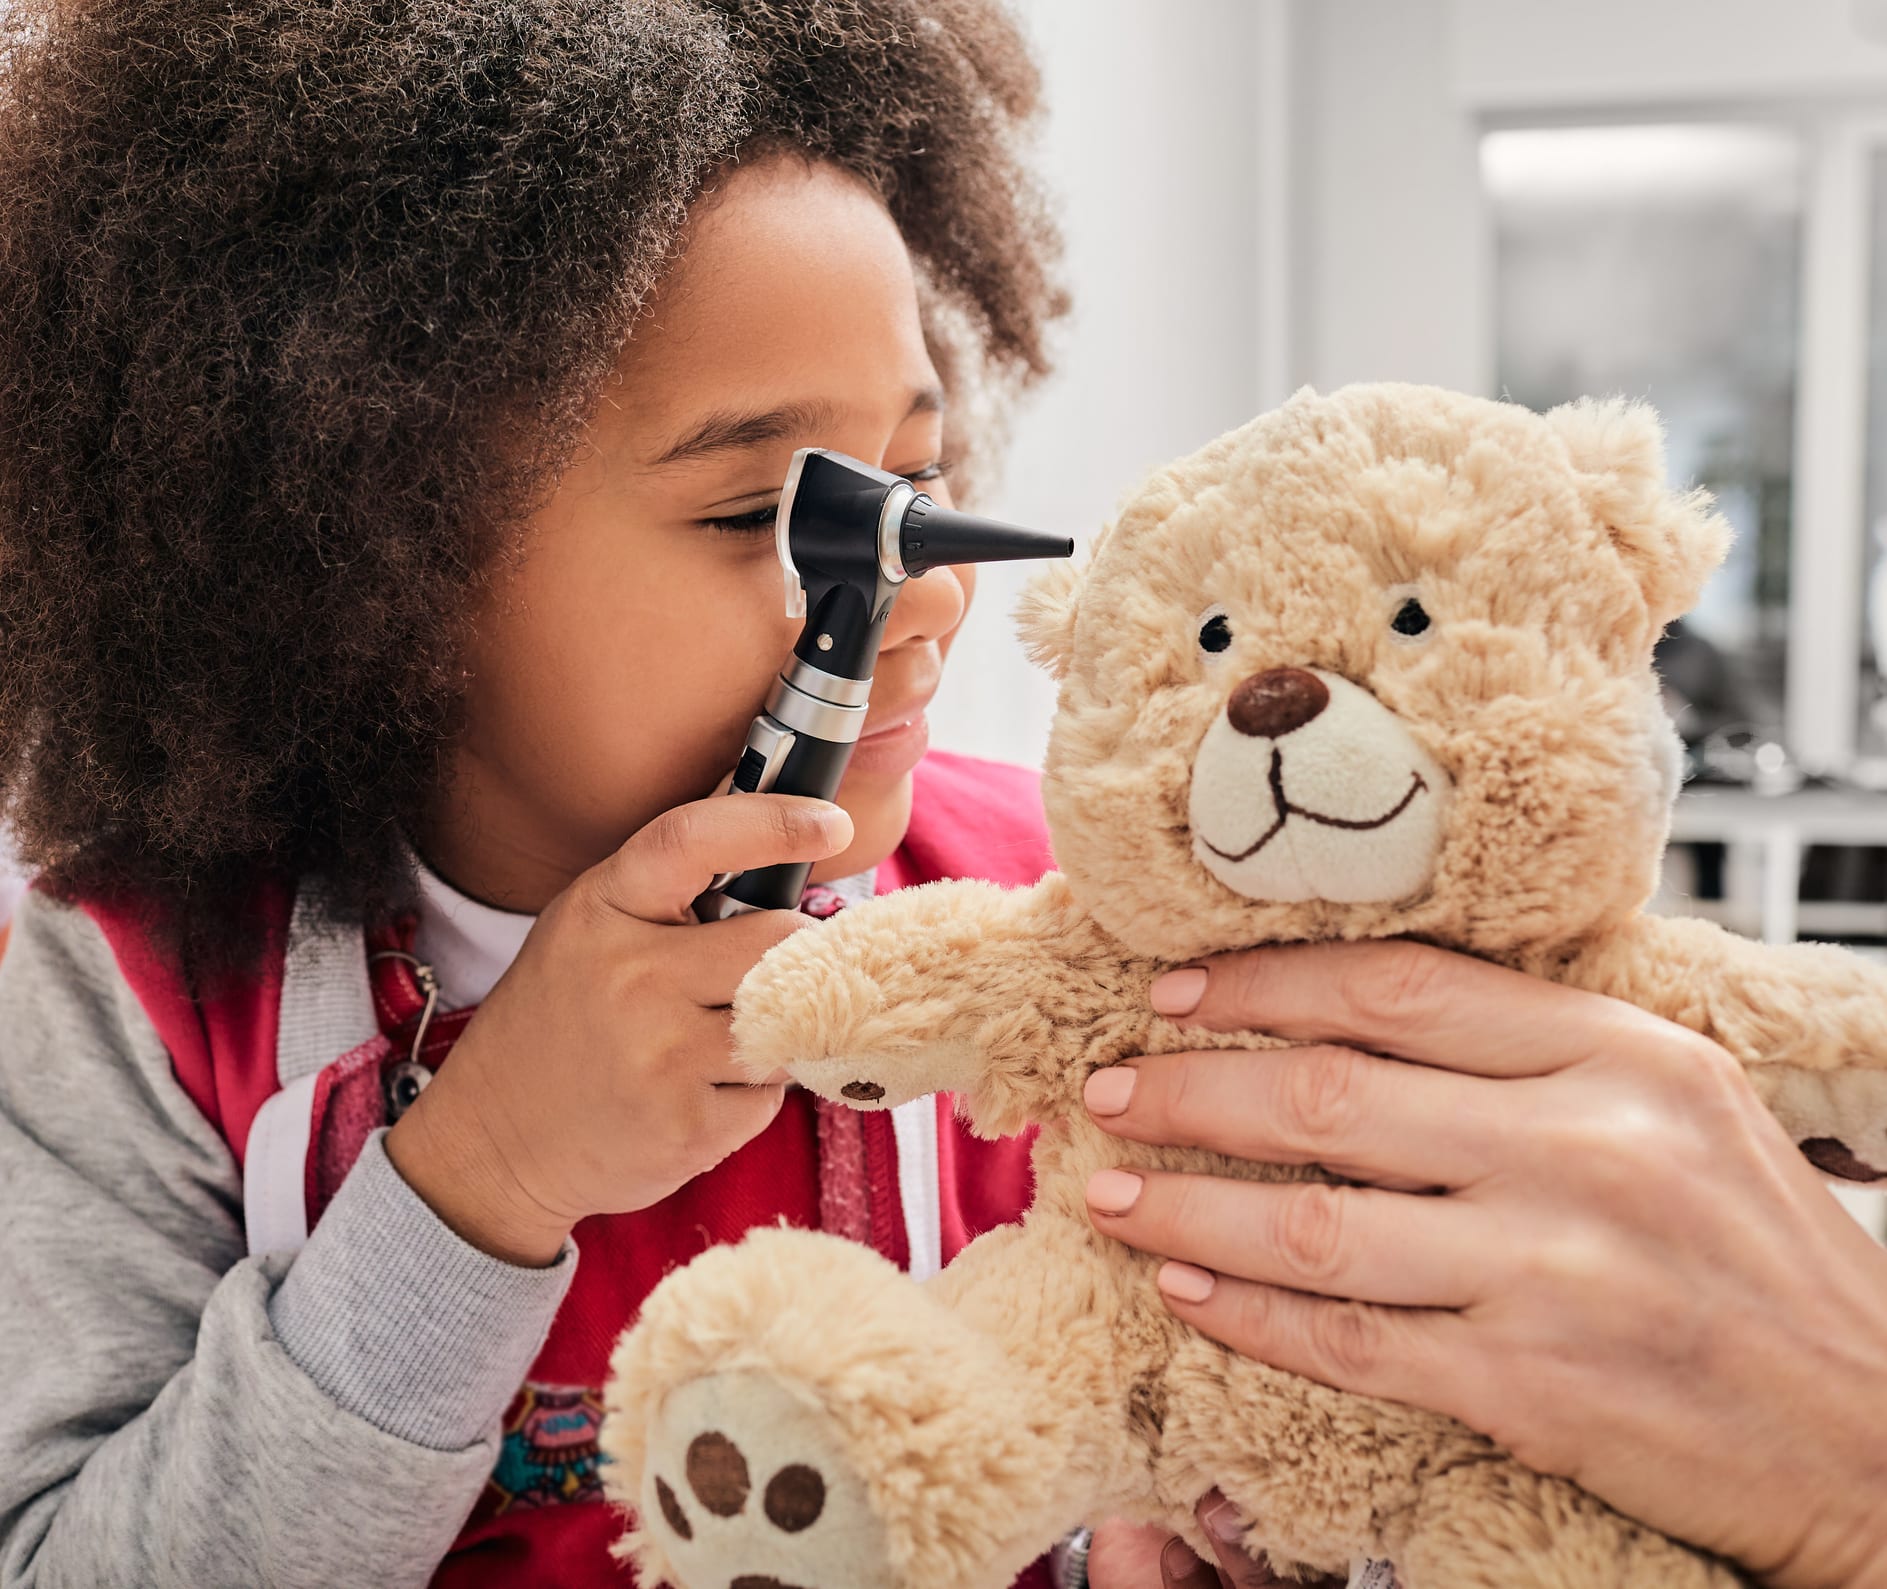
(893, 750)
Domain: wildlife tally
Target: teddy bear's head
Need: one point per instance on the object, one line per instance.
(1376, 663)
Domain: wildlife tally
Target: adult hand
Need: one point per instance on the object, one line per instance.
(598, 1076)
(1630, 1276)
(1124, 1556)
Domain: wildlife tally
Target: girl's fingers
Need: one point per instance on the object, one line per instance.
(1361, 1117)
(1405, 999)
(705, 964)
(1422, 1357)
(1127, 1556)
(1343, 1241)
(665, 866)
(1181, 1569)
(1226, 1530)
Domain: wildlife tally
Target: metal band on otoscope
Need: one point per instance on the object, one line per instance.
(891, 532)
(792, 704)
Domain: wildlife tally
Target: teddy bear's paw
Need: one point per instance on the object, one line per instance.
(747, 1487)
(888, 1078)
(1837, 1117)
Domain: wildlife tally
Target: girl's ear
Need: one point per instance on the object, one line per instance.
(1671, 541)
(1045, 616)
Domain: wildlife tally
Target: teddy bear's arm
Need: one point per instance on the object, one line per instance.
(1808, 1021)
(960, 987)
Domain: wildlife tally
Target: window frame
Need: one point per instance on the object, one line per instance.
(1821, 685)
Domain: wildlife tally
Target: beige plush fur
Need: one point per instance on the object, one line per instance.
(1497, 781)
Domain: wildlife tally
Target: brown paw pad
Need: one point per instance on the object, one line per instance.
(717, 1474)
(796, 1495)
(1834, 1157)
(671, 1510)
(862, 1091)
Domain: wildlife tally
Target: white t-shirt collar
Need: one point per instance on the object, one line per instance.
(469, 945)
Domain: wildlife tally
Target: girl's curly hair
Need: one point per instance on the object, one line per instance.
(305, 303)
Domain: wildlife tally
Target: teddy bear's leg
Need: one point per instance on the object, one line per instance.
(791, 1412)
(1328, 1479)
(1495, 1524)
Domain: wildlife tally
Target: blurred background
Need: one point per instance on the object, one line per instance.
(1679, 200)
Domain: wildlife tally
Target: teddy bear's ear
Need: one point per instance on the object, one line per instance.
(1671, 541)
(1045, 616)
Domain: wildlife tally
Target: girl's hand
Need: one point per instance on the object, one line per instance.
(1126, 1557)
(1630, 1276)
(597, 1077)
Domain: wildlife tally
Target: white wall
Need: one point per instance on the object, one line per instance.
(1163, 143)
(1392, 280)
(1537, 53)
(1151, 145)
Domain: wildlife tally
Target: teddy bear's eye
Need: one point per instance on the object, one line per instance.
(1411, 619)
(1215, 634)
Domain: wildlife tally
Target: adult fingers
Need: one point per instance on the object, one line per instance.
(1422, 1357)
(1362, 1117)
(1405, 999)
(663, 867)
(1341, 1241)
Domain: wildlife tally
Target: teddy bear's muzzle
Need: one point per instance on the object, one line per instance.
(1307, 788)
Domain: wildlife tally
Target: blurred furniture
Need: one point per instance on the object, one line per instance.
(1766, 838)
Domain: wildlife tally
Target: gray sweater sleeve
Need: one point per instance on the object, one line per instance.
(173, 1412)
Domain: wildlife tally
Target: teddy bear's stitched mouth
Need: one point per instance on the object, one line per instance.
(1286, 810)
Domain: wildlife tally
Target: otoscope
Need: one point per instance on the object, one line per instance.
(848, 536)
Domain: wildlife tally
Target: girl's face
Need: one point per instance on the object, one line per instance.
(616, 666)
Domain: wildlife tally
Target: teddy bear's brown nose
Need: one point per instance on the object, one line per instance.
(1276, 701)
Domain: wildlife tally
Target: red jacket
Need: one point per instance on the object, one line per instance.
(539, 1520)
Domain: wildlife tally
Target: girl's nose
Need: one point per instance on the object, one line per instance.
(929, 606)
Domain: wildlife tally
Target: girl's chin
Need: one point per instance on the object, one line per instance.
(880, 808)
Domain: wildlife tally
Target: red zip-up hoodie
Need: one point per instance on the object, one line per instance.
(541, 1520)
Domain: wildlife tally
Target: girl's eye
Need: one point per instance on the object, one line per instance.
(754, 523)
(931, 471)
(1411, 619)
(1215, 634)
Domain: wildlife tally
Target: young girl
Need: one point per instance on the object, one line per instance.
(396, 399)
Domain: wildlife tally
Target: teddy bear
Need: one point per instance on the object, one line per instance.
(1375, 665)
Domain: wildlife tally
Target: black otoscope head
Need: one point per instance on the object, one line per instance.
(849, 535)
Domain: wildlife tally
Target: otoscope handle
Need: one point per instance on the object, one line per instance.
(812, 767)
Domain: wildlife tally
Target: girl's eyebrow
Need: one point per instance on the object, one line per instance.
(730, 431)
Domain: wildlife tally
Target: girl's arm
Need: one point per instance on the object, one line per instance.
(176, 1412)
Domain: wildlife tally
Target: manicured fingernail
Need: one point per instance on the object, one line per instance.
(1181, 1569)
(1108, 1090)
(1182, 1281)
(1224, 1523)
(1113, 1191)
(1178, 992)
